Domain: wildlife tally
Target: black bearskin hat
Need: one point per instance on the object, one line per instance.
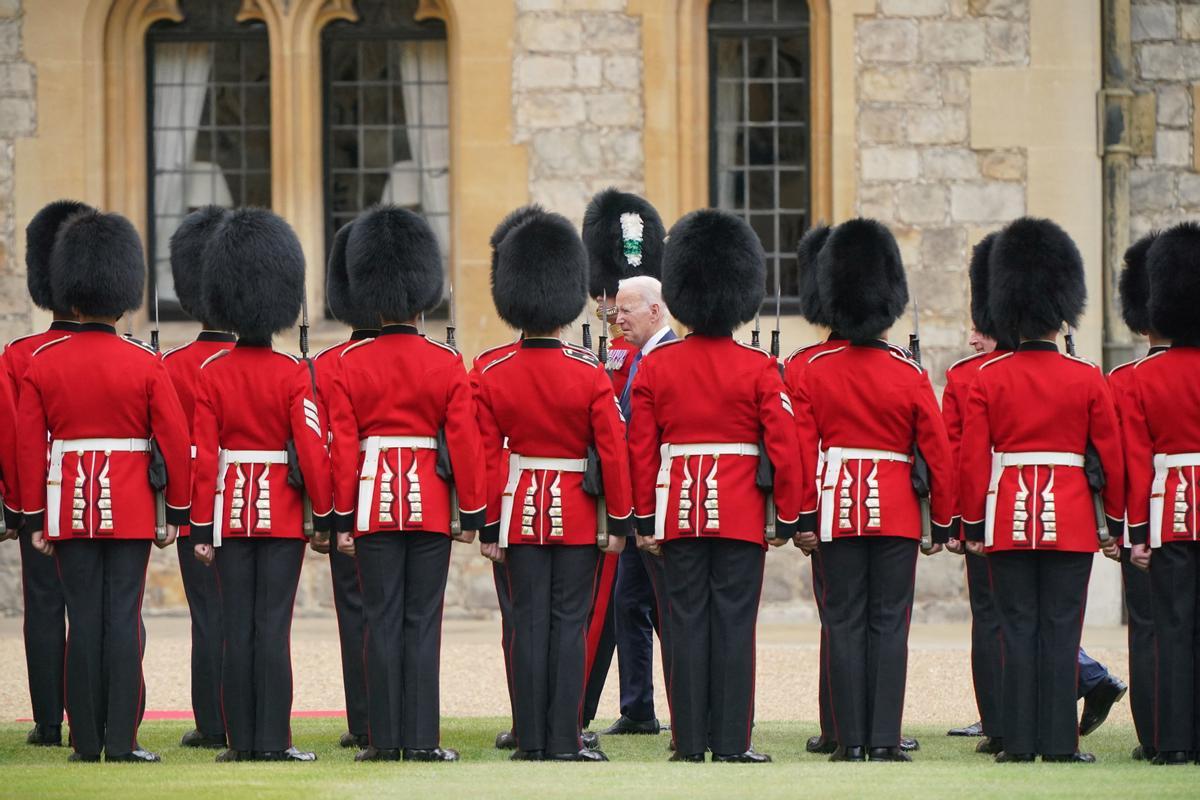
(394, 265)
(810, 246)
(39, 244)
(861, 279)
(253, 280)
(511, 221)
(97, 266)
(1173, 265)
(981, 312)
(187, 257)
(539, 283)
(1133, 285)
(337, 285)
(714, 272)
(624, 237)
(1036, 279)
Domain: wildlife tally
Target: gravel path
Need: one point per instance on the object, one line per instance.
(939, 678)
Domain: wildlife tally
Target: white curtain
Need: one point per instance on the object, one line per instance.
(425, 104)
(180, 86)
(729, 113)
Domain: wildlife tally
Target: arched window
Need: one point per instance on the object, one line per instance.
(759, 125)
(387, 115)
(208, 122)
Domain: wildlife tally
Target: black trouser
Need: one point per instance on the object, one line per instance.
(600, 658)
(504, 601)
(45, 633)
(1041, 597)
(258, 580)
(987, 646)
(403, 590)
(551, 597)
(637, 617)
(713, 590)
(348, 605)
(868, 606)
(103, 581)
(1175, 587)
(824, 701)
(204, 606)
(1140, 610)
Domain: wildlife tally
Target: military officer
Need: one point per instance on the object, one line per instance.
(552, 402)
(257, 419)
(392, 398)
(702, 408)
(1031, 416)
(91, 503)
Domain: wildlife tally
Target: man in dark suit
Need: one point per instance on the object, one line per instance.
(644, 322)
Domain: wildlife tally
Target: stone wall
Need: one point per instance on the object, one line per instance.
(1165, 187)
(17, 118)
(577, 99)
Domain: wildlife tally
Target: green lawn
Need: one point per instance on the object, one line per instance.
(944, 767)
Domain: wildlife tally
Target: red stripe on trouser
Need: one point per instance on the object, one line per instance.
(133, 744)
(837, 736)
(602, 592)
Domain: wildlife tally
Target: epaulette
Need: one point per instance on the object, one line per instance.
(669, 342)
(580, 354)
(50, 343)
(327, 349)
(442, 345)
(293, 358)
(1150, 357)
(1081, 360)
(494, 348)
(140, 345)
(214, 357)
(1120, 367)
(500, 360)
(177, 349)
(826, 353)
(353, 346)
(903, 351)
(752, 348)
(21, 339)
(995, 360)
(803, 349)
(966, 360)
(906, 360)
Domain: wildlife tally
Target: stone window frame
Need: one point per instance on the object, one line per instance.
(479, 38)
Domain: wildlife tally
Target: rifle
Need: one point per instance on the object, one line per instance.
(920, 468)
(593, 479)
(1093, 469)
(764, 478)
(295, 477)
(445, 469)
(156, 473)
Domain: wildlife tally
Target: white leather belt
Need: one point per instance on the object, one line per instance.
(371, 447)
(1002, 461)
(669, 452)
(1163, 463)
(224, 459)
(834, 457)
(518, 464)
(54, 474)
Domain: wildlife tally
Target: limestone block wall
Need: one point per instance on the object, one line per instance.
(1165, 187)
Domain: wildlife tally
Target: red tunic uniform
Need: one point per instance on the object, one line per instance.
(183, 365)
(96, 484)
(866, 440)
(389, 398)
(710, 437)
(252, 401)
(550, 401)
(1022, 452)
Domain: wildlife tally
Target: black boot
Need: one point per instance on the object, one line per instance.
(909, 744)
(528, 755)
(1170, 758)
(990, 745)
(625, 725)
(349, 739)
(431, 754)
(583, 755)
(229, 756)
(83, 758)
(45, 736)
(1143, 752)
(821, 745)
(1069, 758)
(505, 740)
(1098, 702)
(855, 753)
(748, 757)
(194, 738)
(1005, 757)
(291, 754)
(370, 753)
(888, 754)
(138, 756)
(974, 729)
(693, 758)
(590, 739)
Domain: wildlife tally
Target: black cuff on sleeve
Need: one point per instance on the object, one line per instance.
(973, 531)
(343, 523)
(1138, 534)
(807, 522)
(645, 526)
(201, 534)
(33, 522)
(1116, 527)
(619, 527)
(472, 520)
(323, 523)
(785, 530)
(178, 516)
(942, 533)
(12, 519)
(490, 534)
